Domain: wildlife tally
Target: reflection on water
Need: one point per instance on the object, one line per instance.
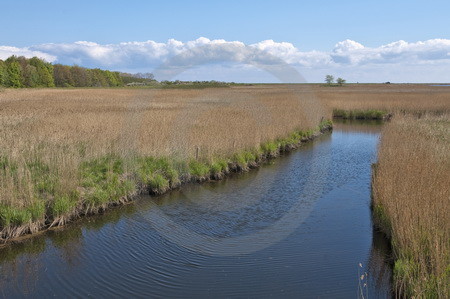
(380, 268)
(357, 126)
(296, 227)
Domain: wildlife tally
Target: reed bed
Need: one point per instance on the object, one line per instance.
(411, 199)
(68, 152)
(391, 98)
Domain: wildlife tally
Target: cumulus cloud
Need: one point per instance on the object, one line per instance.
(6, 51)
(175, 56)
(351, 52)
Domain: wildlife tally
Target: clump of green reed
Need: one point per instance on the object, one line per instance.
(219, 166)
(198, 169)
(325, 124)
(63, 204)
(270, 148)
(360, 114)
(30, 187)
(15, 216)
(105, 181)
(159, 174)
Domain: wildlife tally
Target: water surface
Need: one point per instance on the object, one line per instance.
(298, 227)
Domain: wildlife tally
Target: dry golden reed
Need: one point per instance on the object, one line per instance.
(59, 129)
(159, 121)
(393, 98)
(411, 200)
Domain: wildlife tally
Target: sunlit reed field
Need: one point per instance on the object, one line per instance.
(154, 122)
(392, 98)
(69, 151)
(411, 201)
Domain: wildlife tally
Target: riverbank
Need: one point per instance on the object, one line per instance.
(410, 202)
(108, 181)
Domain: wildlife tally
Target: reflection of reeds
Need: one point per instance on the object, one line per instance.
(379, 266)
(23, 272)
(411, 198)
(357, 126)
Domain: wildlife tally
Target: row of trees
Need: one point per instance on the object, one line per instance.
(23, 72)
(34, 72)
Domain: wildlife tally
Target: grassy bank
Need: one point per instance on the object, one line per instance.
(111, 180)
(411, 198)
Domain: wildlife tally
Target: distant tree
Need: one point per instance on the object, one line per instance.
(111, 78)
(81, 77)
(14, 72)
(340, 81)
(30, 76)
(44, 71)
(118, 78)
(99, 78)
(63, 75)
(3, 74)
(329, 79)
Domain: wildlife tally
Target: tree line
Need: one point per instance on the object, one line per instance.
(20, 72)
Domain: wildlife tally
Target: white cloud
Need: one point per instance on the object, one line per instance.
(347, 55)
(401, 52)
(6, 51)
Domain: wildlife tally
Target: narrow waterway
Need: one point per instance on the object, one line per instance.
(297, 227)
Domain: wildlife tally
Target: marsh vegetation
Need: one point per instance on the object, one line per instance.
(411, 200)
(71, 152)
(68, 152)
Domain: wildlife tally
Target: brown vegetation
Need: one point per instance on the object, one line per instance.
(411, 199)
(74, 151)
(393, 98)
(65, 152)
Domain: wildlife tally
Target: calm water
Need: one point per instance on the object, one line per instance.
(298, 227)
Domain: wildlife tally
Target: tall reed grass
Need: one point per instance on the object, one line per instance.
(411, 200)
(66, 152)
(391, 98)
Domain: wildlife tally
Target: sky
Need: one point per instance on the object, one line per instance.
(361, 41)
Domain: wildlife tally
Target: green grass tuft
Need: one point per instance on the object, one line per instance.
(158, 183)
(198, 169)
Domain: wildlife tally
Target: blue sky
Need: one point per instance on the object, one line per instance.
(309, 26)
